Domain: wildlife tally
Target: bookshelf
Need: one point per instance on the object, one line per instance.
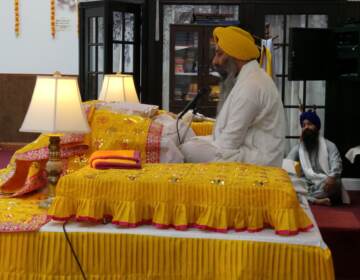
(191, 51)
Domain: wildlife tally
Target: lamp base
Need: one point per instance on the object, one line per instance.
(53, 168)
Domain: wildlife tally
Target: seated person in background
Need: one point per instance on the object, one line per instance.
(250, 126)
(320, 162)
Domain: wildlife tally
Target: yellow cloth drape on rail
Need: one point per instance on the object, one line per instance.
(266, 59)
(213, 196)
(46, 255)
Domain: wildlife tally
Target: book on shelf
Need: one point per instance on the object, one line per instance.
(211, 16)
(214, 19)
(219, 22)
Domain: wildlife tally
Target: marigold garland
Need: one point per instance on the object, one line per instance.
(52, 17)
(17, 18)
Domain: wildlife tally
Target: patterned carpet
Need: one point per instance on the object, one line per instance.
(340, 228)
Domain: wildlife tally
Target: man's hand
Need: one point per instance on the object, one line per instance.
(330, 183)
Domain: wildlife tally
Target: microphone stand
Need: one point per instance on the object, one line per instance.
(187, 128)
(191, 105)
(194, 112)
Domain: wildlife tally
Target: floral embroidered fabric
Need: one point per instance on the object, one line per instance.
(21, 214)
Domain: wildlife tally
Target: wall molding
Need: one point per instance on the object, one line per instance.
(351, 184)
(12, 145)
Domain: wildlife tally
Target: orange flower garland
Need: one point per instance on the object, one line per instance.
(52, 17)
(17, 18)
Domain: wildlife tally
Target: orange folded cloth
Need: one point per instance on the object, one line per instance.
(115, 159)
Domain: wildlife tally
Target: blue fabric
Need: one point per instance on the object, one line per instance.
(312, 117)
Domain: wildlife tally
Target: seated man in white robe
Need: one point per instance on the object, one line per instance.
(250, 126)
(320, 162)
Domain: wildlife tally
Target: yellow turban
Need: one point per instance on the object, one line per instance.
(236, 42)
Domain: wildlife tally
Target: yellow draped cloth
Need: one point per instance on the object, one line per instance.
(46, 255)
(113, 131)
(26, 170)
(109, 131)
(22, 214)
(212, 196)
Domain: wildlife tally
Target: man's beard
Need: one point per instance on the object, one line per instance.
(310, 139)
(228, 74)
(228, 69)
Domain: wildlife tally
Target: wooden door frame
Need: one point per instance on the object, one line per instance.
(106, 7)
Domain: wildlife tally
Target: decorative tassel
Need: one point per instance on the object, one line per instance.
(17, 18)
(52, 17)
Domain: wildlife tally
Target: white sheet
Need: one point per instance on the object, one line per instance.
(310, 238)
(144, 110)
(169, 144)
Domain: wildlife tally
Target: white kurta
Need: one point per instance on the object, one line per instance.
(251, 124)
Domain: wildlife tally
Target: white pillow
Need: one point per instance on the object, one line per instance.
(169, 145)
(143, 110)
(169, 130)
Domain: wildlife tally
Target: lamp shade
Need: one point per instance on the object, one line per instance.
(119, 87)
(55, 107)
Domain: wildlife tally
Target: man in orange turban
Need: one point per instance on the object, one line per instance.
(250, 126)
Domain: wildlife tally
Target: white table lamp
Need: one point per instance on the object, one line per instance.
(118, 87)
(55, 108)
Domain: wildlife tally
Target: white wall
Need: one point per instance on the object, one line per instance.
(35, 51)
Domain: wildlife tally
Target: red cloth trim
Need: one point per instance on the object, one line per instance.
(240, 229)
(207, 228)
(293, 232)
(131, 225)
(58, 219)
(88, 219)
(306, 228)
(153, 143)
(102, 166)
(180, 227)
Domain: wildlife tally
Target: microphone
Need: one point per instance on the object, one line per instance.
(192, 104)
